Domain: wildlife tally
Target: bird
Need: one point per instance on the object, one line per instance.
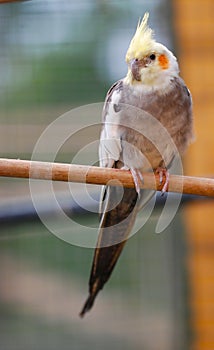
(152, 96)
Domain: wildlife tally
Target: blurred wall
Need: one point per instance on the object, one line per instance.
(195, 34)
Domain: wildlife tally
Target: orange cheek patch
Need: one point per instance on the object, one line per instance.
(163, 61)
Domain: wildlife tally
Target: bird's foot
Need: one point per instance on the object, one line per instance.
(138, 179)
(163, 178)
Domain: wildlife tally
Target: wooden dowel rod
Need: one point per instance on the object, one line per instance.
(101, 176)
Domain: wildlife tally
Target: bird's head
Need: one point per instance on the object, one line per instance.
(149, 63)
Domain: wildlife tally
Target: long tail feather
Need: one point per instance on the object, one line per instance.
(89, 303)
(116, 224)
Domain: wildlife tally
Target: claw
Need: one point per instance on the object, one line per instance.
(137, 177)
(163, 173)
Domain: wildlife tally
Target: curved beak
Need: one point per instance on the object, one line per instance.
(135, 66)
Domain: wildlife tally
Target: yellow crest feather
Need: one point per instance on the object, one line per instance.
(142, 42)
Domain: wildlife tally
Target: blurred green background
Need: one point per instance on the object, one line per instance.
(57, 55)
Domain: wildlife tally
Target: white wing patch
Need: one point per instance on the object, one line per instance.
(110, 143)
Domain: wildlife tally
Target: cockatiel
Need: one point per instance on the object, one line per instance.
(153, 86)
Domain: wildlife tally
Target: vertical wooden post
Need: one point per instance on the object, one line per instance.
(195, 33)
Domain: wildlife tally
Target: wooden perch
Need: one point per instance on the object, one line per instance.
(101, 176)
(6, 1)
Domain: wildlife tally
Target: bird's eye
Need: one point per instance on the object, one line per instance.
(152, 57)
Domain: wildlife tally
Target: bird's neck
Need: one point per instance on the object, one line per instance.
(151, 82)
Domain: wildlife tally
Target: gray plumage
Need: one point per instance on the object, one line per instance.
(145, 122)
